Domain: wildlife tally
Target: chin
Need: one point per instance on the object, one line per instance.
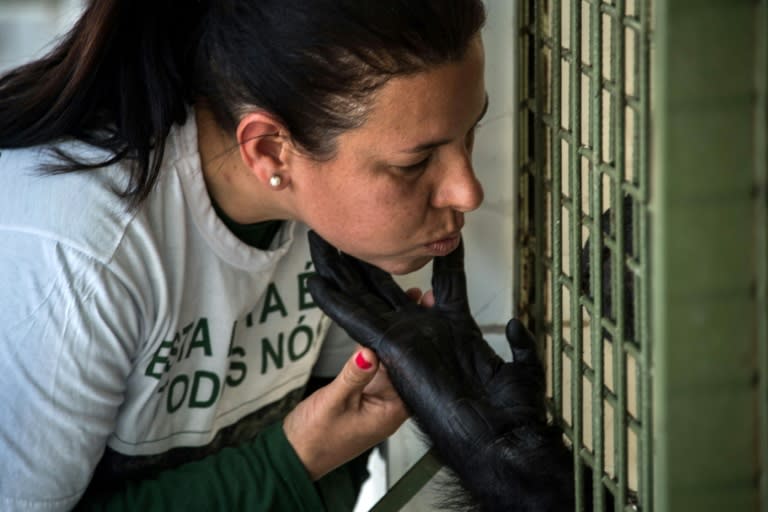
(399, 268)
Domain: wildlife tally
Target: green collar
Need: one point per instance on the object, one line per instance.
(258, 235)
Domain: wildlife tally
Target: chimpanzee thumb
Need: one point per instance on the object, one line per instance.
(521, 343)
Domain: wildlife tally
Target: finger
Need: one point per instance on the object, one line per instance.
(428, 299)
(345, 392)
(449, 281)
(381, 387)
(356, 314)
(328, 262)
(379, 281)
(351, 274)
(414, 294)
(521, 342)
(357, 373)
(321, 251)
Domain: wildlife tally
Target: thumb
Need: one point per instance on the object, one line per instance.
(359, 370)
(521, 342)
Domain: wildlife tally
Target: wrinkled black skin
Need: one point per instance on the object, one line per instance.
(486, 417)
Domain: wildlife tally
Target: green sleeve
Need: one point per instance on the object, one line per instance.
(340, 488)
(262, 475)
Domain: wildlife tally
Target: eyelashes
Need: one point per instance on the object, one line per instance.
(421, 165)
(418, 166)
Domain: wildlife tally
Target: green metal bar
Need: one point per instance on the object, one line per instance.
(761, 236)
(525, 235)
(642, 295)
(703, 243)
(539, 170)
(577, 399)
(596, 245)
(618, 358)
(516, 60)
(556, 208)
(409, 484)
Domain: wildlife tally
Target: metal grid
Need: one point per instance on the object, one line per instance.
(583, 232)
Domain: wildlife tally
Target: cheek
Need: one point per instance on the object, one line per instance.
(380, 204)
(373, 220)
(395, 210)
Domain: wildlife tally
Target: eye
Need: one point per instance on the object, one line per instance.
(417, 167)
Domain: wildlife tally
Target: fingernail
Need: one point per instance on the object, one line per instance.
(361, 362)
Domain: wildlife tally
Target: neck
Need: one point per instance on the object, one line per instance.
(230, 183)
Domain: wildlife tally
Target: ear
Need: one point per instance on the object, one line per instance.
(262, 142)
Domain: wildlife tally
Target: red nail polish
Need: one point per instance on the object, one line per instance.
(361, 362)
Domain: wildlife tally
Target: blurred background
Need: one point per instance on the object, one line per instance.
(27, 27)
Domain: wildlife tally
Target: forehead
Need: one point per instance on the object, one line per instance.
(442, 102)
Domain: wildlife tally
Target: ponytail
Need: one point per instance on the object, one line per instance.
(118, 81)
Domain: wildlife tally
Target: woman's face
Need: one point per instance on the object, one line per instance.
(396, 191)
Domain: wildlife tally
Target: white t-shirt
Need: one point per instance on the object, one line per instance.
(140, 331)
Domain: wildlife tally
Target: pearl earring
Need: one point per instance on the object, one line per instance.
(275, 181)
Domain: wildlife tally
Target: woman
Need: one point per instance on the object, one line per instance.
(159, 171)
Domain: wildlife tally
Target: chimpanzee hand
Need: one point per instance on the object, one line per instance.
(419, 346)
(485, 417)
(517, 385)
(369, 298)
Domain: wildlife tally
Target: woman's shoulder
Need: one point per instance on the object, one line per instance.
(81, 209)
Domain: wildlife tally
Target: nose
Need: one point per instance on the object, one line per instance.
(458, 187)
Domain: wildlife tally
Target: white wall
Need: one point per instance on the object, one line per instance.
(27, 27)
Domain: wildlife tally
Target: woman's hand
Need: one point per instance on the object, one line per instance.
(356, 411)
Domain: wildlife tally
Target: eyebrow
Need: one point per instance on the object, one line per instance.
(435, 143)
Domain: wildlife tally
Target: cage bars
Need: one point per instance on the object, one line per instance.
(581, 84)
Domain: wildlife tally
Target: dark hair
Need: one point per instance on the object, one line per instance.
(128, 70)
